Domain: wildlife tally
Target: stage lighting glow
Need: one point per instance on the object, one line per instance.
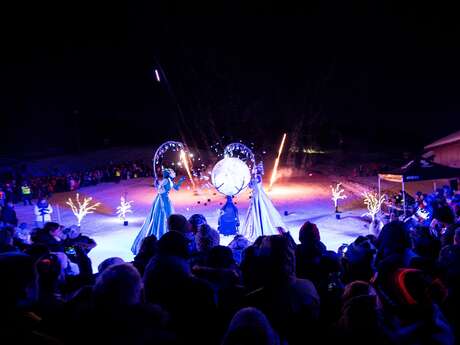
(230, 176)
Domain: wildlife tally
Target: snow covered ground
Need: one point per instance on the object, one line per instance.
(307, 198)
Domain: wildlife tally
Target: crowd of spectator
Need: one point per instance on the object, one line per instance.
(18, 186)
(398, 285)
(421, 208)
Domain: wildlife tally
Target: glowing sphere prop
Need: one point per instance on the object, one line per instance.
(230, 176)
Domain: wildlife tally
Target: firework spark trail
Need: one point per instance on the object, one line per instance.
(184, 160)
(275, 167)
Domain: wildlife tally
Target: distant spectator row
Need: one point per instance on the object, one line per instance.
(17, 187)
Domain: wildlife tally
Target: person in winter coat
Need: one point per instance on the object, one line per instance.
(9, 214)
(42, 211)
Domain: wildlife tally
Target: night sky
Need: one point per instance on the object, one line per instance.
(377, 75)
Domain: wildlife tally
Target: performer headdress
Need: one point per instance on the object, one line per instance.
(167, 172)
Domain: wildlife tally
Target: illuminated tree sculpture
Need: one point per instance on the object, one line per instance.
(81, 209)
(373, 203)
(337, 193)
(123, 209)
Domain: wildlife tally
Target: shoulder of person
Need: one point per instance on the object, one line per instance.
(304, 287)
(200, 284)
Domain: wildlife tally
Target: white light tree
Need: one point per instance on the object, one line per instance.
(124, 209)
(81, 209)
(337, 194)
(373, 203)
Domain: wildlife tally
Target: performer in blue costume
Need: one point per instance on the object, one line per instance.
(262, 217)
(228, 221)
(156, 221)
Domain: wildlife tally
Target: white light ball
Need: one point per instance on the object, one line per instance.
(230, 176)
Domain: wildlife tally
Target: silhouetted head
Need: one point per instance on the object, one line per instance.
(250, 326)
(118, 285)
(177, 222)
(174, 243)
(309, 233)
(19, 280)
(196, 221)
(109, 262)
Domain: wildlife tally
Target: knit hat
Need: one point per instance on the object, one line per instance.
(410, 286)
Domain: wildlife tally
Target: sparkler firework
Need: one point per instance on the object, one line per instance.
(184, 160)
(275, 167)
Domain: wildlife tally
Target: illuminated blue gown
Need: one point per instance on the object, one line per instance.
(262, 217)
(156, 221)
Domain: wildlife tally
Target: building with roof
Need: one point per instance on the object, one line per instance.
(445, 151)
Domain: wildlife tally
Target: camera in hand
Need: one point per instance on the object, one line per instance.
(71, 252)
